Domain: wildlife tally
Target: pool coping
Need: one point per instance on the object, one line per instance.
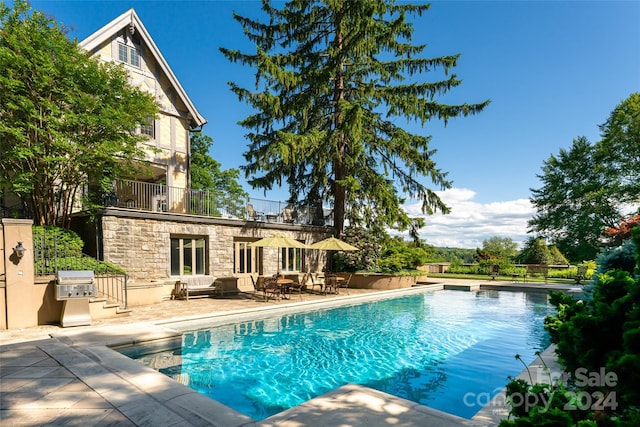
(130, 386)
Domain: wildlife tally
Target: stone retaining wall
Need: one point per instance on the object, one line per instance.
(382, 281)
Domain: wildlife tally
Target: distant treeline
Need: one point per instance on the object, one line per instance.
(452, 255)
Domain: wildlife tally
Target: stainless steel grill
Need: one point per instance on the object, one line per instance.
(75, 284)
(75, 288)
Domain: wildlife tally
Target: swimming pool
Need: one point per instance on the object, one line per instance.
(435, 348)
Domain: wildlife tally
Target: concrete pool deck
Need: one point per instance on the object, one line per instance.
(69, 376)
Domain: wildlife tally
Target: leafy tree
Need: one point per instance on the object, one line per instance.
(619, 148)
(222, 185)
(588, 188)
(333, 80)
(574, 204)
(622, 232)
(453, 255)
(66, 120)
(500, 247)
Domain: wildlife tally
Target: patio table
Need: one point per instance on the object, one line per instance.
(284, 284)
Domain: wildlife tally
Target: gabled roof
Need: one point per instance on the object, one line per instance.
(131, 19)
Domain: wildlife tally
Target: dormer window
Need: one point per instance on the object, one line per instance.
(129, 55)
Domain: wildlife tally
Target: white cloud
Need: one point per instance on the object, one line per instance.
(470, 222)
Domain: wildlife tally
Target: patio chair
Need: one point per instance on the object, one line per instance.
(272, 288)
(345, 283)
(316, 281)
(258, 284)
(304, 281)
(252, 214)
(297, 286)
(331, 284)
(287, 216)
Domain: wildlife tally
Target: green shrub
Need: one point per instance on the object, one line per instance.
(618, 258)
(601, 335)
(62, 239)
(366, 258)
(61, 249)
(397, 255)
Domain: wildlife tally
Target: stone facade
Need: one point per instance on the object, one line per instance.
(140, 242)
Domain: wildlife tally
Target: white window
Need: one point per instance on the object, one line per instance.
(134, 57)
(129, 55)
(291, 259)
(123, 53)
(246, 258)
(188, 256)
(148, 128)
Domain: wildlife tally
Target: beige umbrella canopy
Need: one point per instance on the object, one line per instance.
(278, 241)
(333, 244)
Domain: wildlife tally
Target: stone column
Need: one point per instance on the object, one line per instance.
(21, 309)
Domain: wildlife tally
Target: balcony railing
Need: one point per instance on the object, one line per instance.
(150, 197)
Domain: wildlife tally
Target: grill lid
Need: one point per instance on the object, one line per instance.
(75, 277)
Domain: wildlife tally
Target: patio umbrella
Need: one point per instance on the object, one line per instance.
(278, 241)
(332, 244)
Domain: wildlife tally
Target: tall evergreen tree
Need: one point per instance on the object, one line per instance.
(332, 79)
(535, 251)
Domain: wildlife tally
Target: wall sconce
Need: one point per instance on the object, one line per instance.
(19, 250)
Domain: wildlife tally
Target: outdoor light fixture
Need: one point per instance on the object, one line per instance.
(19, 250)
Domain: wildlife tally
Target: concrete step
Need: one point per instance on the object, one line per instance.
(101, 308)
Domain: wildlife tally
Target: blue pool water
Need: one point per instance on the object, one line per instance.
(449, 350)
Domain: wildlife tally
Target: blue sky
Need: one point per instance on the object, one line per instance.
(553, 71)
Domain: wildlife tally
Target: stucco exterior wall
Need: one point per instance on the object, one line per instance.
(171, 126)
(19, 305)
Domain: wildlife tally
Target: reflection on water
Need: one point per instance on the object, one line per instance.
(431, 348)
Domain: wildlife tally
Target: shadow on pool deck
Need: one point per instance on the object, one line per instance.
(74, 379)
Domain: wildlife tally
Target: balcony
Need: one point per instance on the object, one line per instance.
(144, 196)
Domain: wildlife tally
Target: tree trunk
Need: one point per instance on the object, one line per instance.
(338, 164)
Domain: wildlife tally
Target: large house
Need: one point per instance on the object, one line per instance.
(125, 40)
(158, 229)
(155, 227)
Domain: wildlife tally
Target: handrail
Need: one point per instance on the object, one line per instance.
(152, 197)
(110, 280)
